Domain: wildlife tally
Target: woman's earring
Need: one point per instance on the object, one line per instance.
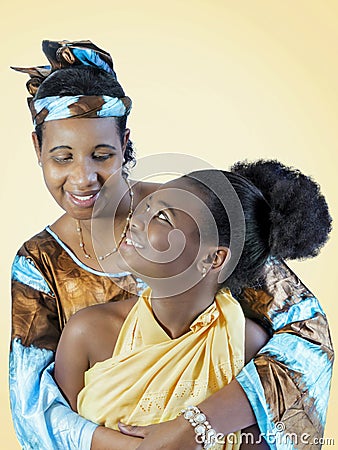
(40, 163)
(204, 272)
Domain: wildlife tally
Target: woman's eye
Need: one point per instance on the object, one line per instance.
(102, 157)
(63, 159)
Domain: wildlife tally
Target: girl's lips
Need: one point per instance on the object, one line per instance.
(128, 241)
(135, 244)
(83, 201)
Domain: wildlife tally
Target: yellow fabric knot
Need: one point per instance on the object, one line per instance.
(205, 319)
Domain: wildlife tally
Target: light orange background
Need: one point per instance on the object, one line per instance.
(223, 80)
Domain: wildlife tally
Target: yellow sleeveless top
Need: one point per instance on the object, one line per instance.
(151, 377)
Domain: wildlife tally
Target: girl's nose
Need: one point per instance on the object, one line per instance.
(137, 222)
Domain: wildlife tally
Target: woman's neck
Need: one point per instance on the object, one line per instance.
(175, 314)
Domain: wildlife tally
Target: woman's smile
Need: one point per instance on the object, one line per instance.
(85, 200)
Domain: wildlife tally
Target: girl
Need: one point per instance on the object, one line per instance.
(142, 361)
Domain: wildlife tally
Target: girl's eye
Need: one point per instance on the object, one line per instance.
(163, 216)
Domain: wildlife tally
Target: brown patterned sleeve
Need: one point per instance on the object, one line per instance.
(35, 309)
(34, 317)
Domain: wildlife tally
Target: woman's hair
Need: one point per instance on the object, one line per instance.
(285, 214)
(85, 80)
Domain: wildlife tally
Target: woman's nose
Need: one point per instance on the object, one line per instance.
(83, 174)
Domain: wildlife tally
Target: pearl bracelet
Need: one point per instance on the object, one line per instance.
(208, 437)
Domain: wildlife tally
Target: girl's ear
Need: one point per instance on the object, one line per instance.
(36, 146)
(215, 260)
(220, 258)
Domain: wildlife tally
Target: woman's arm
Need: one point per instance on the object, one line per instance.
(42, 418)
(288, 382)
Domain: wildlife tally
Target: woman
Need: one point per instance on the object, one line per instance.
(56, 273)
(175, 346)
(53, 275)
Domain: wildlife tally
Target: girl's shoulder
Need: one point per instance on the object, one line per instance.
(97, 327)
(104, 313)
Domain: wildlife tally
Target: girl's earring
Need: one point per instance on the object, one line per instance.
(204, 272)
(40, 163)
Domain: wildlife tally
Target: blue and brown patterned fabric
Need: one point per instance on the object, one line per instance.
(63, 54)
(288, 382)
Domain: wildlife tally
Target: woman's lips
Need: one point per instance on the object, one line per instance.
(83, 201)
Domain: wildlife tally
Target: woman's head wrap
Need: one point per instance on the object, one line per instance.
(63, 54)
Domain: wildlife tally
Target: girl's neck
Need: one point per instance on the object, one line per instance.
(99, 231)
(175, 314)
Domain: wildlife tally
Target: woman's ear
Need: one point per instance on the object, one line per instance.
(36, 146)
(125, 139)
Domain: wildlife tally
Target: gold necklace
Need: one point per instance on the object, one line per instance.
(123, 234)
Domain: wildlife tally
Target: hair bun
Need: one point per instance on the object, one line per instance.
(300, 219)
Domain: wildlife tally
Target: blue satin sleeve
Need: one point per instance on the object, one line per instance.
(42, 417)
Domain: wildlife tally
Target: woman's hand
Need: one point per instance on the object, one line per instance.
(177, 433)
(108, 439)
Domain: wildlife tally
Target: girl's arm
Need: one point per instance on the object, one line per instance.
(72, 359)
